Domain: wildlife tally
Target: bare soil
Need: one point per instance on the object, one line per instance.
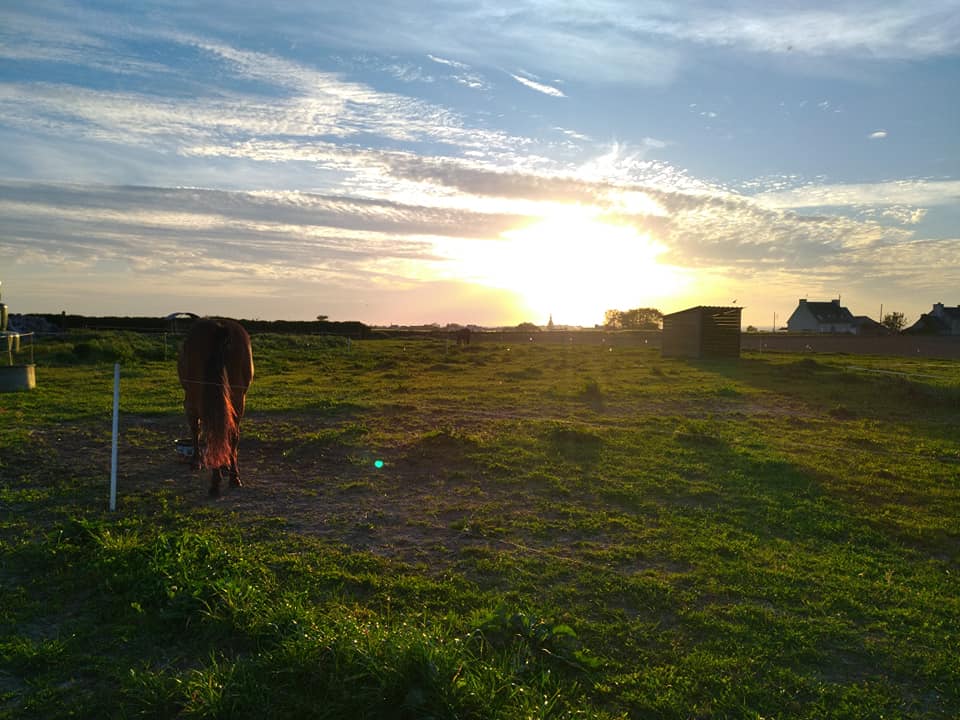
(420, 506)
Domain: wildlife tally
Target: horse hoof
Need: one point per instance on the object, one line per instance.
(235, 482)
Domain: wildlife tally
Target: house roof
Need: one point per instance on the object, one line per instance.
(829, 312)
(928, 324)
(950, 313)
(940, 321)
(868, 325)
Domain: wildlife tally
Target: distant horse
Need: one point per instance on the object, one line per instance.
(463, 336)
(216, 369)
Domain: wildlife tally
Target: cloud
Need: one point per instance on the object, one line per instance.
(705, 227)
(285, 232)
(895, 31)
(293, 101)
(407, 72)
(79, 38)
(878, 134)
(904, 215)
(445, 61)
(701, 226)
(613, 42)
(573, 134)
(923, 193)
(539, 87)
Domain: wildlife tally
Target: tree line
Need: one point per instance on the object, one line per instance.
(635, 319)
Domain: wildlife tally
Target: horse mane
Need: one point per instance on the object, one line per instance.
(219, 416)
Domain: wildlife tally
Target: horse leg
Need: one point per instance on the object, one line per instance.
(196, 461)
(239, 403)
(234, 465)
(217, 474)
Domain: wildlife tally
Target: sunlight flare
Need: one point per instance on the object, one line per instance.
(571, 264)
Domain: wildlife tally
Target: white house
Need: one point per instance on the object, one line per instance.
(823, 317)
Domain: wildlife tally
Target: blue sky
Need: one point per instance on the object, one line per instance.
(479, 162)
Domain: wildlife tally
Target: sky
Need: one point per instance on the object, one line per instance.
(478, 162)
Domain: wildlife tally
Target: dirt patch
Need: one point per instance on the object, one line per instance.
(427, 497)
(423, 502)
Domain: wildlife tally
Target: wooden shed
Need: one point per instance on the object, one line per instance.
(702, 332)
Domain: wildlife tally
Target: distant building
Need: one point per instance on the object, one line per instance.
(702, 332)
(868, 326)
(940, 320)
(180, 321)
(822, 317)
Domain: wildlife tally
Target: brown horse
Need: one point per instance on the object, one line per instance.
(216, 369)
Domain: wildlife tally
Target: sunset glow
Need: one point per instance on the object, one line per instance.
(571, 265)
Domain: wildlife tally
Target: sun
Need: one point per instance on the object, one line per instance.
(572, 265)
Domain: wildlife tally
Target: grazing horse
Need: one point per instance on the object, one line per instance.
(463, 336)
(215, 369)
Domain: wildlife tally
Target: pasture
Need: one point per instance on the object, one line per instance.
(488, 531)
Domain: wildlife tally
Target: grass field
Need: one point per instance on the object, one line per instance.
(490, 531)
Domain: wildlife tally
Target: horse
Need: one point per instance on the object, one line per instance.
(215, 368)
(462, 336)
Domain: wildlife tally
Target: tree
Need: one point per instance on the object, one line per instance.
(528, 327)
(322, 318)
(893, 321)
(611, 319)
(635, 319)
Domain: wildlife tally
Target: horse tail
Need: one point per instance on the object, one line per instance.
(219, 416)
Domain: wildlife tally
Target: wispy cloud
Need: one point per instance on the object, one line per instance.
(445, 61)
(538, 86)
(878, 135)
(286, 233)
(706, 227)
(922, 193)
(461, 73)
(893, 31)
(617, 41)
(301, 102)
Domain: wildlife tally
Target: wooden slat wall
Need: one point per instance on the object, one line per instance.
(681, 334)
(702, 332)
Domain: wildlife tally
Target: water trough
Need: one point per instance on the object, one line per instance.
(15, 376)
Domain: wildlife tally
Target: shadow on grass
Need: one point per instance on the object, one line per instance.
(822, 382)
(574, 445)
(765, 496)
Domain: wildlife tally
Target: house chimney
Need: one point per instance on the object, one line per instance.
(836, 301)
(937, 310)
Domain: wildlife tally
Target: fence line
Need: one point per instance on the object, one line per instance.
(927, 346)
(896, 372)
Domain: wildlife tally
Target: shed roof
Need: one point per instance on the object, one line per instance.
(180, 316)
(708, 309)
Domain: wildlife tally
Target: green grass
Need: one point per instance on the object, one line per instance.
(555, 531)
